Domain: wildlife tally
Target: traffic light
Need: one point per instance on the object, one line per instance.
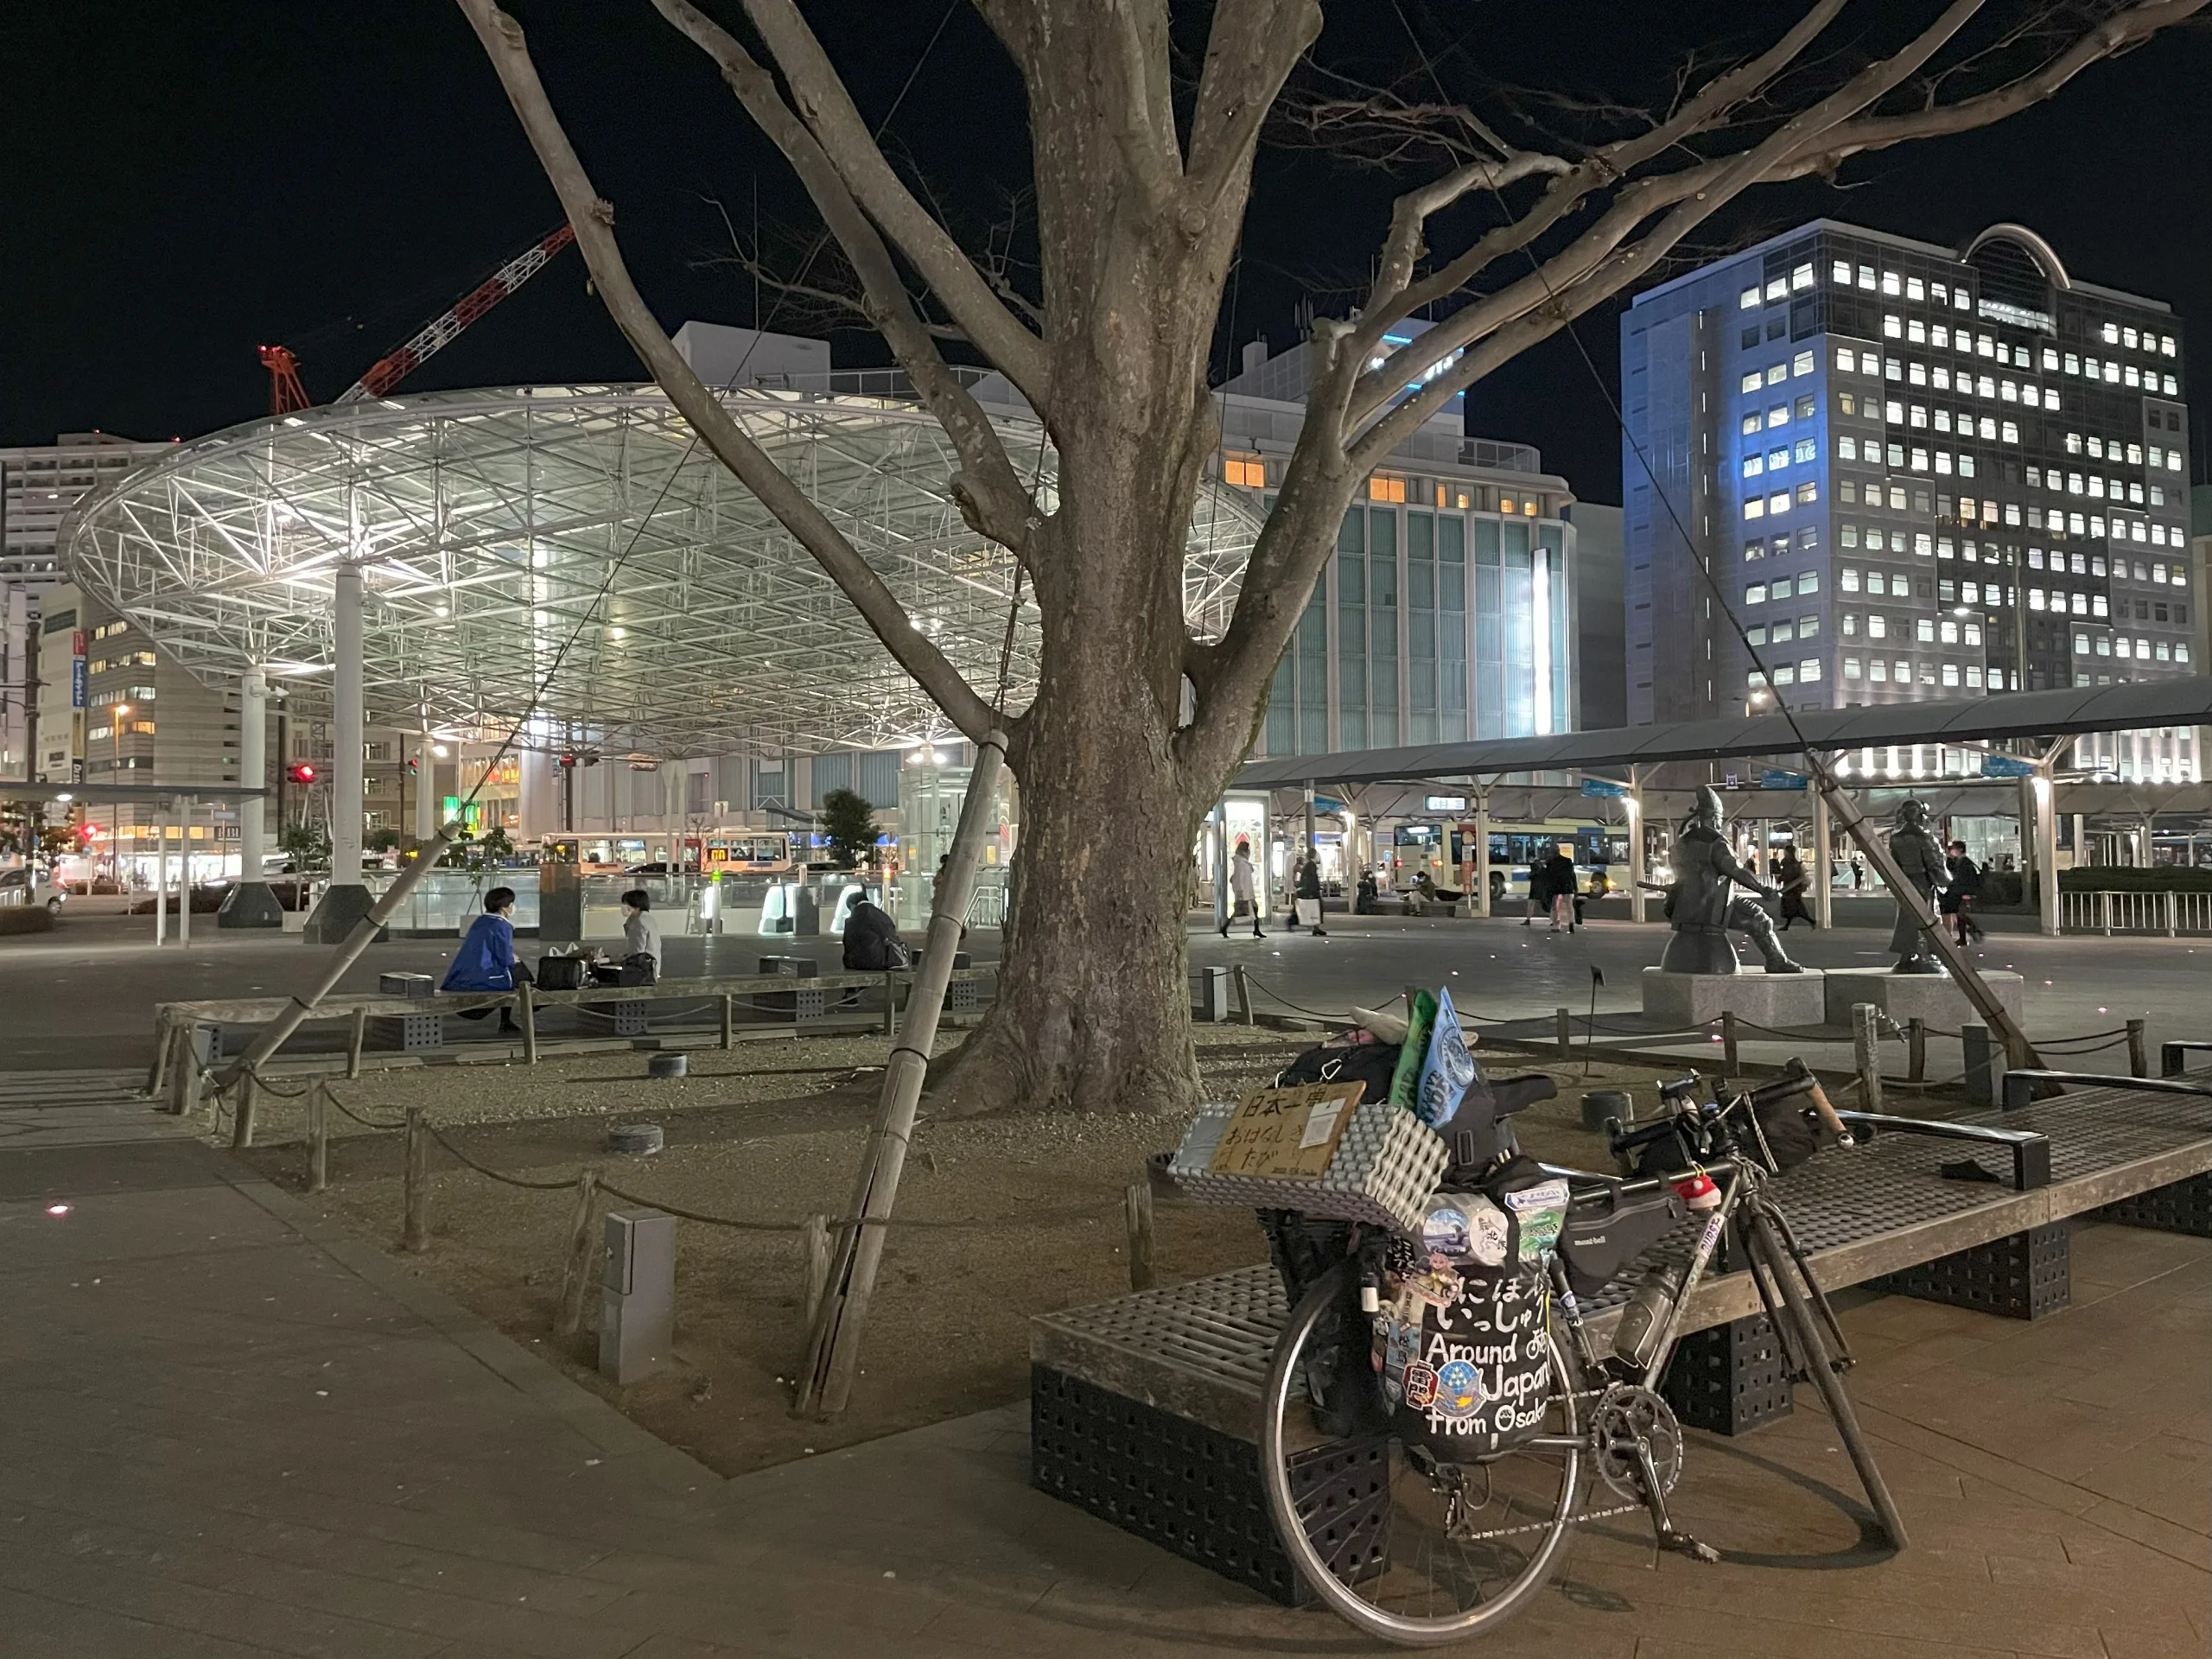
(414, 766)
(302, 772)
(566, 761)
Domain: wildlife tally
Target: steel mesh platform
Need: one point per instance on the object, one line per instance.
(1200, 1349)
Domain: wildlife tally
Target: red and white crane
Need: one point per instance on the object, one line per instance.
(286, 394)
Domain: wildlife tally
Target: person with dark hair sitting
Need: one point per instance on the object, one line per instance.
(486, 959)
(640, 963)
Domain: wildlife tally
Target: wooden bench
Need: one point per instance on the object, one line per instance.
(190, 1036)
(1145, 1409)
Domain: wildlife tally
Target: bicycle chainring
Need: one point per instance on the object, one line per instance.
(1625, 1414)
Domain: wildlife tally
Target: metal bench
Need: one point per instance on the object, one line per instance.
(1145, 1409)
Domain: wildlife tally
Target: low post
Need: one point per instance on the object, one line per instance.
(242, 1121)
(1866, 1049)
(1244, 995)
(318, 1137)
(2104, 911)
(526, 1007)
(357, 1035)
(158, 1074)
(1728, 1039)
(890, 1003)
(728, 1019)
(575, 1272)
(2168, 902)
(1564, 1018)
(415, 1228)
(2139, 1052)
(184, 1072)
(1985, 1077)
(816, 1237)
(1915, 1050)
(1136, 1207)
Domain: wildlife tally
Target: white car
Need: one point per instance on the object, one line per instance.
(24, 887)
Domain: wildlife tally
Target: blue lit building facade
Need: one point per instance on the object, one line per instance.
(1913, 472)
(1448, 610)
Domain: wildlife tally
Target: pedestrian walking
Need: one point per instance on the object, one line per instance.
(1558, 888)
(1243, 890)
(1789, 876)
(1309, 893)
(1858, 873)
(1540, 897)
(1958, 898)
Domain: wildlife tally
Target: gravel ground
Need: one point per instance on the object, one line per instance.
(1003, 1217)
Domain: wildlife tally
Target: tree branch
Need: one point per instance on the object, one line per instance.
(1250, 51)
(822, 102)
(990, 491)
(591, 217)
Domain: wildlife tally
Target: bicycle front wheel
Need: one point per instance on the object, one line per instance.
(1402, 1547)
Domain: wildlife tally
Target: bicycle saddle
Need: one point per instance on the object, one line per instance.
(1478, 1132)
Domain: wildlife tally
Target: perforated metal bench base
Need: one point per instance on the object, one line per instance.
(2178, 1207)
(1730, 1379)
(1196, 1490)
(2023, 1275)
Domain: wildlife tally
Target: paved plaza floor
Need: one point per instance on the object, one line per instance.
(233, 1429)
(87, 992)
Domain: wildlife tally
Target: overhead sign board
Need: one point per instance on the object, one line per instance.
(1447, 802)
(1603, 788)
(1778, 777)
(2006, 766)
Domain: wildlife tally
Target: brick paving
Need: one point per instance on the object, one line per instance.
(233, 1429)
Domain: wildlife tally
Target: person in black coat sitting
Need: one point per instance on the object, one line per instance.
(872, 942)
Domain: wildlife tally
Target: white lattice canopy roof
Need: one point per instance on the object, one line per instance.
(579, 539)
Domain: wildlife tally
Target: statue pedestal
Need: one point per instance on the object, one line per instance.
(1781, 1001)
(1930, 997)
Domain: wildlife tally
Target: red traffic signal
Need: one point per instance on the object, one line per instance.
(302, 773)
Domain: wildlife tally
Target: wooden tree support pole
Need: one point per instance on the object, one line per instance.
(1243, 985)
(890, 1003)
(833, 1358)
(1915, 1050)
(729, 1013)
(1728, 1039)
(318, 1136)
(575, 1270)
(357, 1034)
(414, 1227)
(2138, 1051)
(1563, 1020)
(526, 1007)
(816, 1241)
(1137, 1207)
(242, 1120)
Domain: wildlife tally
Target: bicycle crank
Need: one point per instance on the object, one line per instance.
(1627, 1420)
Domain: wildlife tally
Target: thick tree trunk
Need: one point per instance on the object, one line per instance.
(1093, 1012)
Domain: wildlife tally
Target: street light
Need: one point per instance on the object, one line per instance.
(115, 845)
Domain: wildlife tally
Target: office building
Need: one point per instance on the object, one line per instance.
(1910, 472)
(1447, 610)
(38, 486)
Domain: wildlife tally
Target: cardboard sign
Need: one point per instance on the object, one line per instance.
(1288, 1134)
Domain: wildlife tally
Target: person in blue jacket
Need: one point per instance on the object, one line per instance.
(486, 959)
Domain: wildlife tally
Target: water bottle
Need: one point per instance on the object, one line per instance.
(1636, 1338)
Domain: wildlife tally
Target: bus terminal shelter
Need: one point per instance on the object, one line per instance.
(2014, 745)
(570, 564)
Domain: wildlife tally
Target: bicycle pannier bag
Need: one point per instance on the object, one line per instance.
(1464, 1359)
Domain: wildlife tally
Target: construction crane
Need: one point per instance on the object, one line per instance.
(286, 394)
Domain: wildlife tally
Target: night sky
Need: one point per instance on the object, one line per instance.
(182, 184)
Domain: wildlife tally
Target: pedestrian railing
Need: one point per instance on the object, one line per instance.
(2109, 912)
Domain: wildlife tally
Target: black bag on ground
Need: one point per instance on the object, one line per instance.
(560, 973)
(1372, 1064)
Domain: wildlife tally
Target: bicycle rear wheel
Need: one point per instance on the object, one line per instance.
(1442, 1552)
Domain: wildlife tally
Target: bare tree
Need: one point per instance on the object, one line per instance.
(1140, 190)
